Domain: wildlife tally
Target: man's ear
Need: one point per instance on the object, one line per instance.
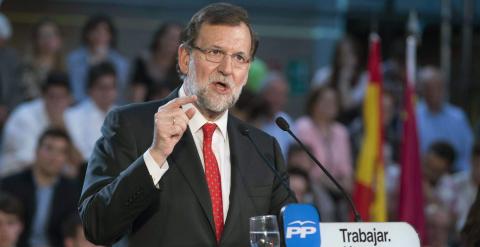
(183, 58)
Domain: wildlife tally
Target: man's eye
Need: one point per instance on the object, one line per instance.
(240, 58)
(215, 52)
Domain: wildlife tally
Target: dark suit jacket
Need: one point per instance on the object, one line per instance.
(121, 206)
(65, 197)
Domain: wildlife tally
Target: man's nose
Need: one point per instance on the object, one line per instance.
(225, 67)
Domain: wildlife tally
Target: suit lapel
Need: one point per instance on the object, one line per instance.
(185, 157)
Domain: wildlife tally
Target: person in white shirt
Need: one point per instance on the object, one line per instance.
(83, 121)
(30, 119)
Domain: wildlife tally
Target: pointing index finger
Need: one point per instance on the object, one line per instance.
(177, 102)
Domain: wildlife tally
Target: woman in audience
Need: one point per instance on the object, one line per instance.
(99, 42)
(46, 56)
(330, 144)
(345, 75)
(154, 72)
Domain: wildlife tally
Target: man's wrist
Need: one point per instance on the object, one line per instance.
(157, 156)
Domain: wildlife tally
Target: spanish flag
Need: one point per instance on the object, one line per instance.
(369, 193)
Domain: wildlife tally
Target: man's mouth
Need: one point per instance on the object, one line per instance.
(221, 87)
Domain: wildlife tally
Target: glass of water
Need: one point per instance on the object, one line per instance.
(264, 231)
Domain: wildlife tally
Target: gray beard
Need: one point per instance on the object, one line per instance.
(214, 103)
(219, 105)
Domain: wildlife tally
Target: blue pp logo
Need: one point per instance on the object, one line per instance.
(301, 225)
(302, 228)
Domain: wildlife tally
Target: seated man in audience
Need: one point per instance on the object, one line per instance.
(438, 120)
(48, 197)
(10, 220)
(84, 120)
(30, 119)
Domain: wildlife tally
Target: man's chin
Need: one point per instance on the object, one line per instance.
(216, 110)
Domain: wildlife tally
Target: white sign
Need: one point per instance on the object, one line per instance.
(387, 234)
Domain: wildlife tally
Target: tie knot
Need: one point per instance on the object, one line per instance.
(208, 130)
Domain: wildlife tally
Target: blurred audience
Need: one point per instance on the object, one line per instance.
(330, 144)
(73, 235)
(439, 120)
(48, 197)
(30, 119)
(391, 146)
(99, 38)
(84, 121)
(391, 125)
(275, 92)
(439, 193)
(256, 75)
(471, 230)
(241, 109)
(154, 72)
(346, 76)
(438, 226)
(297, 157)
(394, 69)
(438, 183)
(46, 55)
(251, 108)
(300, 185)
(466, 188)
(11, 220)
(10, 93)
(36, 149)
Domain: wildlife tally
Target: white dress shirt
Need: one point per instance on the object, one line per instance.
(220, 146)
(83, 123)
(20, 136)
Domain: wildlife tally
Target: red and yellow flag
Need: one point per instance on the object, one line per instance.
(369, 192)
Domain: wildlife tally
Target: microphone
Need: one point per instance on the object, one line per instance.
(282, 123)
(246, 132)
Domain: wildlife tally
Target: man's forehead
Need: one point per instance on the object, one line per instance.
(220, 35)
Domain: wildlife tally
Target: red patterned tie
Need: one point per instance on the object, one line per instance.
(212, 174)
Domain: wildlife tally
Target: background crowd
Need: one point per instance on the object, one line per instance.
(53, 103)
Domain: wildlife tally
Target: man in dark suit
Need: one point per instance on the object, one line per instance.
(179, 172)
(47, 196)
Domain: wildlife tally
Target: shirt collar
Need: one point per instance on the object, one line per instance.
(198, 120)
